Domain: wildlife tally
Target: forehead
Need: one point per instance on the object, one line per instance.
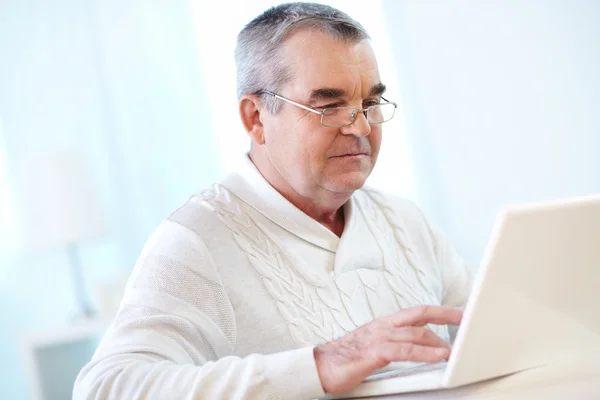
(317, 60)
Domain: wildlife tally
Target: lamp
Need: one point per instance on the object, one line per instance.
(61, 209)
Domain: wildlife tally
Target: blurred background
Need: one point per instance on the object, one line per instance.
(113, 113)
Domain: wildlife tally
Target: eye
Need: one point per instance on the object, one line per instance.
(370, 103)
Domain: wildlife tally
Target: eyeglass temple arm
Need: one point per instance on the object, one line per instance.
(387, 101)
(292, 102)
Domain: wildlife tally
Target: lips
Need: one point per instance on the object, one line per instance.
(350, 154)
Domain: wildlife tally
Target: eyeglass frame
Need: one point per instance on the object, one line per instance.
(322, 113)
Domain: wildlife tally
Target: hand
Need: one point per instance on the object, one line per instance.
(402, 336)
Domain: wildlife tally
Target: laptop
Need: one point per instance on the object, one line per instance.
(534, 301)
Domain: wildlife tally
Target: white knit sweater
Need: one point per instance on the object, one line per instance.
(232, 292)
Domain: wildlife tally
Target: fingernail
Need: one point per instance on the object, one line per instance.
(441, 352)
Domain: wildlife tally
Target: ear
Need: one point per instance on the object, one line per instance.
(250, 110)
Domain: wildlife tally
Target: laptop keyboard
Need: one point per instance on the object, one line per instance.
(419, 369)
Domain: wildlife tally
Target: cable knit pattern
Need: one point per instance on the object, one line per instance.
(404, 262)
(316, 310)
(405, 273)
(312, 309)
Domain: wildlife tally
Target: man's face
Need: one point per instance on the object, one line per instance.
(325, 73)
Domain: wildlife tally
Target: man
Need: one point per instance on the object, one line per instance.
(288, 279)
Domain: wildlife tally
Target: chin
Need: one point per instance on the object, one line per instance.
(348, 182)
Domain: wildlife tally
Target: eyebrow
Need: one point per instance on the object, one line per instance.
(378, 89)
(334, 93)
(326, 94)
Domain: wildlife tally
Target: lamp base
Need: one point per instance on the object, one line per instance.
(85, 309)
(82, 315)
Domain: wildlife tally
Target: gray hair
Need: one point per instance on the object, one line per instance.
(258, 62)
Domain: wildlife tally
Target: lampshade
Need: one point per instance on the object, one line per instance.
(58, 203)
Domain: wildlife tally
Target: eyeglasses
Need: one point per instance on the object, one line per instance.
(339, 117)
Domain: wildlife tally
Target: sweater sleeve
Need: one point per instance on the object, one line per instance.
(174, 336)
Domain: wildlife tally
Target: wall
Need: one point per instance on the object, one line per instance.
(118, 82)
(502, 105)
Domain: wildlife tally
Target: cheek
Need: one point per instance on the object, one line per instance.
(311, 141)
(375, 139)
(319, 145)
(300, 149)
(294, 149)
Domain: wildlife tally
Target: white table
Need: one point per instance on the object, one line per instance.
(53, 358)
(577, 379)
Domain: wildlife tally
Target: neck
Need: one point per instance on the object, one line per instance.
(323, 206)
(328, 214)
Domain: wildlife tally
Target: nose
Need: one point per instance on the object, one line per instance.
(360, 126)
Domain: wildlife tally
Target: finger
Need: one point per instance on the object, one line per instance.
(417, 335)
(422, 315)
(392, 352)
